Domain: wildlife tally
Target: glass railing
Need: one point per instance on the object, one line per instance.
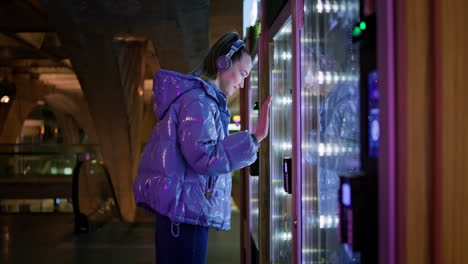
(40, 162)
(57, 179)
(94, 200)
(36, 178)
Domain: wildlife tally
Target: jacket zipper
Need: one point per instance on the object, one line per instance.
(209, 189)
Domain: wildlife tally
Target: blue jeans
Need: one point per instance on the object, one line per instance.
(180, 243)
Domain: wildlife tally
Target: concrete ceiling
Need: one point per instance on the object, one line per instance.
(180, 32)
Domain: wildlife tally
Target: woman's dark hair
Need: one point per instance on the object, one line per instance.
(207, 69)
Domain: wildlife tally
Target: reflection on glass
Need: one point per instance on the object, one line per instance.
(33, 161)
(48, 205)
(254, 180)
(96, 194)
(280, 142)
(330, 123)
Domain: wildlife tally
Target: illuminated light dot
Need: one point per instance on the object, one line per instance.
(363, 25)
(236, 118)
(319, 6)
(335, 7)
(327, 7)
(320, 77)
(322, 221)
(356, 32)
(337, 149)
(329, 221)
(336, 77)
(5, 99)
(321, 149)
(329, 150)
(68, 171)
(328, 77)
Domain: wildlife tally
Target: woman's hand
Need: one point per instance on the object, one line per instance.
(263, 120)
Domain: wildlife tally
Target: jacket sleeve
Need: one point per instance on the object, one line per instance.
(198, 139)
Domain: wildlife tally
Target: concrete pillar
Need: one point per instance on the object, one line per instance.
(28, 92)
(110, 71)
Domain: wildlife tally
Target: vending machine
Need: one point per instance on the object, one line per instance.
(339, 134)
(330, 124)
(280, 144)
(254, 169)
(323, 152)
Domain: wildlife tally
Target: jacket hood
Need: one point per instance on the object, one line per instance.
(170, 85)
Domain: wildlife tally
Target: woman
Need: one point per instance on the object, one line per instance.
(184, 176)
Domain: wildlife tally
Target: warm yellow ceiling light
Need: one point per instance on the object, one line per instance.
(5, 99)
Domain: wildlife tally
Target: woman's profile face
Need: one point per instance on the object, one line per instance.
(232, 80)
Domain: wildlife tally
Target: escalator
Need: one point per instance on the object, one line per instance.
(94, 201)
(57, 179)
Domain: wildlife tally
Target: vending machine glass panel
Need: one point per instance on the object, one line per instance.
(280, 144)
(330, 124)
(254, 168)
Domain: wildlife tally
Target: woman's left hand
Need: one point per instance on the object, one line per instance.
(263, 120)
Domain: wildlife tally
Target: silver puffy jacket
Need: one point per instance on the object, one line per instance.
(185, 169)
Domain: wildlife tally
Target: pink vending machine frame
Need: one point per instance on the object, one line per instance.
(389, 50)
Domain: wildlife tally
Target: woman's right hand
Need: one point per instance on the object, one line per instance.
(263, 120)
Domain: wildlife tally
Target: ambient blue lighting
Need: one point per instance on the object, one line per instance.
(346, 194)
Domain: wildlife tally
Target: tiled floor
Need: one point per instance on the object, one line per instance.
(49, 239)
